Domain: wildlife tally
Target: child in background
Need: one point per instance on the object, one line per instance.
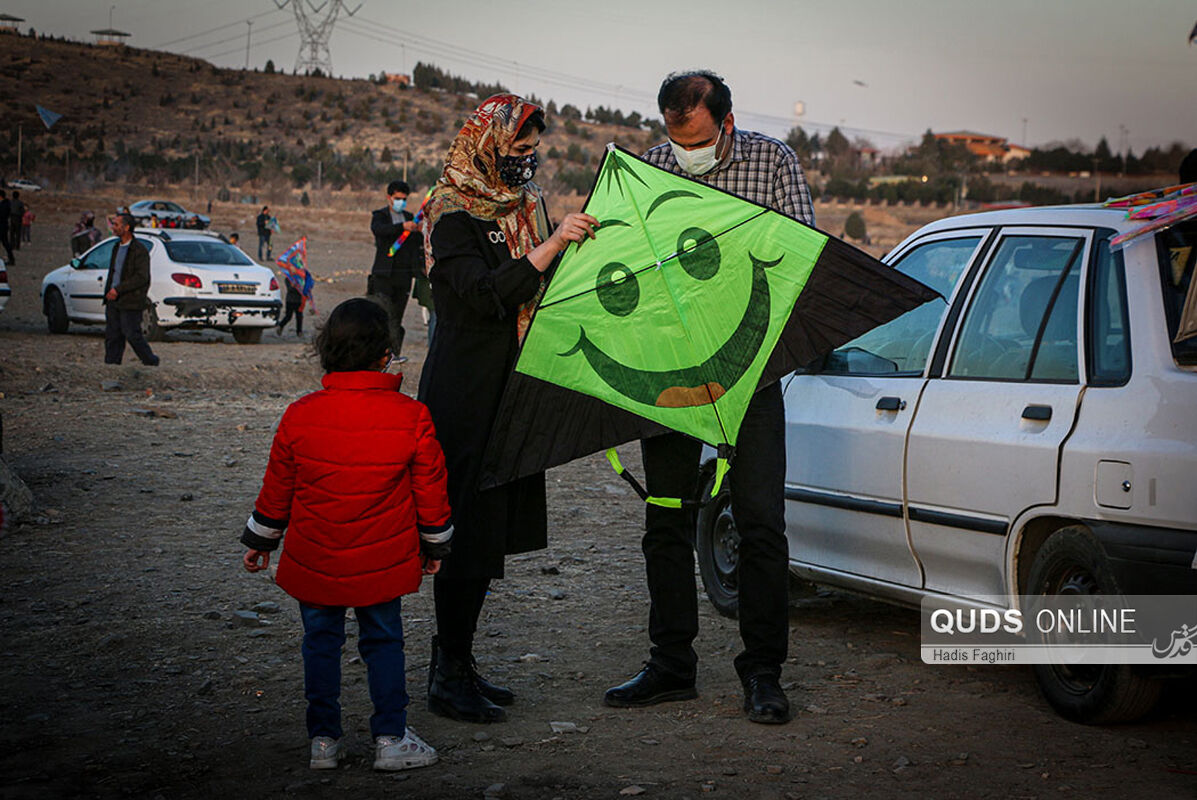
(357, 479)
(27, 225)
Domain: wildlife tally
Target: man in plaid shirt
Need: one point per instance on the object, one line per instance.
(705, 144)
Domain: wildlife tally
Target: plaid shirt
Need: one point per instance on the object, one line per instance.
(761, 169)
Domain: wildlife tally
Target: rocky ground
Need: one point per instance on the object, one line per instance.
(139, 659)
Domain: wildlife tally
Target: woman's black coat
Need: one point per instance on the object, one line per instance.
(477, 288)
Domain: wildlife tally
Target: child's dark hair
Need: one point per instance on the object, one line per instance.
(356, 335)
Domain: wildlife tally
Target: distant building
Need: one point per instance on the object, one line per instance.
(398, 80)
(109, 37)
(1015, 152)
(985, 147)
(8, 23)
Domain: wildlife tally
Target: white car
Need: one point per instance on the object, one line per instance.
(197, 280)
(24, 185)
(167, 214)
(1032, 434)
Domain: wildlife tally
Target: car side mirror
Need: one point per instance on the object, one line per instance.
(76, 263)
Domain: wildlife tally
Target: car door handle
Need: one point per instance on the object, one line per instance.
(891, 404)
(1037, 413)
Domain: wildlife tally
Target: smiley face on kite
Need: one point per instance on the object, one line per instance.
(617, 289)
(672, 311)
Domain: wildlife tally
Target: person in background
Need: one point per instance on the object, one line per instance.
(488, 246)
(391, 275)
(294, 305)
(27, 225)
(85, 235)
(1188, 167)
(5, 217)
(235, 239)
(14, 220)
(356, 479)
(264, 231)
(125, 296)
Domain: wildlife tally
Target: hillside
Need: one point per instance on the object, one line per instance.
(135, 115)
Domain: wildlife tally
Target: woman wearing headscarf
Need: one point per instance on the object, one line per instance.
(488, 249)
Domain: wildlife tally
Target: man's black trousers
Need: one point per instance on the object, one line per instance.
(757, 485)
(125, 326)
(393, 291)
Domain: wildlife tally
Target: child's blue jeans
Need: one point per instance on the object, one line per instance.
(380, 641)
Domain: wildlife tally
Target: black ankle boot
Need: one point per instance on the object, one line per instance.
(453, 691)
(499, 695)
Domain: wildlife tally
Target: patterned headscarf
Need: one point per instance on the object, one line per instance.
(470, 182)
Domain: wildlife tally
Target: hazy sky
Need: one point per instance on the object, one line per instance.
(1069, 68)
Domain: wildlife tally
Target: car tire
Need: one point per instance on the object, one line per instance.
(150, 328)
(1071, 561)
(247, 335)
(718, 544)
(54, 307)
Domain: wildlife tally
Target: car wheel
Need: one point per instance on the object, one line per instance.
(150, 329)
(1072, 562)
(718, 545)
(55, 310)
(247, 335)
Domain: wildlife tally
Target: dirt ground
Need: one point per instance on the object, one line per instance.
(126, 671)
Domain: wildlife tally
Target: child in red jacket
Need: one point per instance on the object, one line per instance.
(357, 479)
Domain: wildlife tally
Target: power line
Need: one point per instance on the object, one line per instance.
(214, 30)
(263, 41)
(434, 47)
(235, 37)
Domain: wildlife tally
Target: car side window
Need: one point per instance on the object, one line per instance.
(1177, 252)
(1109, 337)
(1021, 323)
(100, 256)
(902, 346)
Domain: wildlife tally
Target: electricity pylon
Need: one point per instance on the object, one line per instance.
(315, 27)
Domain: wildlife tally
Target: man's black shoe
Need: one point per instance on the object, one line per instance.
(765, 701)
(650, 686)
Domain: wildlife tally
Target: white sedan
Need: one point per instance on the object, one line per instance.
(24, 185)
(1031, 434)
(197, 280)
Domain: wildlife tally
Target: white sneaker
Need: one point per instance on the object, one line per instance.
(392, 753)
(326, 752)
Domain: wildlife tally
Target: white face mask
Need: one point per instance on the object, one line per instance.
(699, 161)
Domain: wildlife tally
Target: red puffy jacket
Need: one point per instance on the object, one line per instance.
(355, 472)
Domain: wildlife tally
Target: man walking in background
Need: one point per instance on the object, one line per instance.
(705, 144)
(391, 276)
(264, 231)
(16, 216)
(125, 296)
(5, 221)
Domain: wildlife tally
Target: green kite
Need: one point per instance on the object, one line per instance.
(687, 300)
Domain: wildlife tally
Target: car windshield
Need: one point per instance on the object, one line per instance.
(1177, 247)
(207, 252)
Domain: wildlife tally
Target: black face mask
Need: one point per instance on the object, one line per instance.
(515, 171)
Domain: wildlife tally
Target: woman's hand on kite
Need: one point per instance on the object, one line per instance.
(574, 228)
